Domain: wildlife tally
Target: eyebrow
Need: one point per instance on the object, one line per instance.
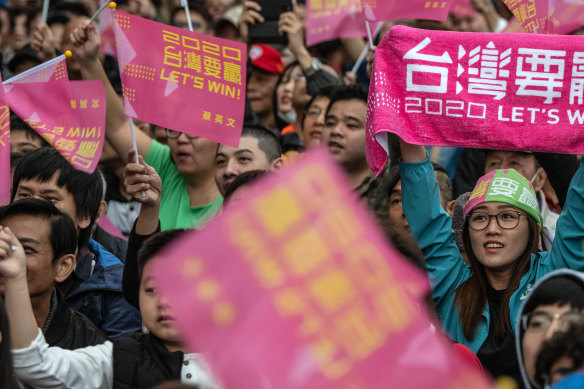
(44, 191)
(241, 151)
(395, 191)
(28, 240)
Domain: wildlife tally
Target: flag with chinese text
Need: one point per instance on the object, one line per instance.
(4, 150)
(381, 10)
(332, 19)
(49, 71)
(68, 115)
(181, 80)
(304, 292)
(495, 91)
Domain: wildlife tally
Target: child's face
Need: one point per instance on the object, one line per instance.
(155, 310)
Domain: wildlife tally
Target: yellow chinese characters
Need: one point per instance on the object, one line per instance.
(218, 119)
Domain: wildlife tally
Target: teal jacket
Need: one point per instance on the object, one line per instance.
(432, 228)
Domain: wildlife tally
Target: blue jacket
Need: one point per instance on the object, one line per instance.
(96, 292)
(432, 227)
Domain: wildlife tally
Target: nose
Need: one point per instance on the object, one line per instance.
(182, 138)
(230, 169)
(493, 226)
(319, 120)
(553, 328)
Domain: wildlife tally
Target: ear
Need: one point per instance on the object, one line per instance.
(539, 180)
(450, 207)
(277, 164)
(64, 267)
(102, 210)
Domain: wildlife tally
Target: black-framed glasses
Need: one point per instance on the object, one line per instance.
(505, 219)
(172, 134)
(536, 322)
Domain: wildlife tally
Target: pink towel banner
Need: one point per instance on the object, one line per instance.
(381, 10)
(182, 80)
(332, 19)
(296, 288)
(497, 91)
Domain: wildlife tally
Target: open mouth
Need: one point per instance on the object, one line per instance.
(493, 246)
(334, 146)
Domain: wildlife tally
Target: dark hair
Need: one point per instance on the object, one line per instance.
(348, 92)
(7, 377)
(569, 344)
(243, 179)
(86, 189)
(267, 141)
(444, 182)
(280, 123)
(63, 235)
(13, 13)
(560, 290)
(17, 124)
(406, 244)
(153, 245)
(196, 7)
(471, 295)
(325, 91)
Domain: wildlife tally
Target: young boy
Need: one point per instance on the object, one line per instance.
(135, 361)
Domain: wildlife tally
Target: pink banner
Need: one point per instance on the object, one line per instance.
(69, 115)
(332, 19)
(497, 91)
(4, 150)
(381, 10)
(52, 70)
(106, 31)
(182, 80)
(462, 9)
(295, 288)
(531, 14)
(566, 16)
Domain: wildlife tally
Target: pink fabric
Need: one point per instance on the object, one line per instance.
(45, 72)
(332, 19)
(181, 80)
(498, 91)
(302, 291)
(69, 115)
(380, 10)
(463, 9)
(106, 31)
(566, 16)
(106, 224)
(532, 14)
(4, 150)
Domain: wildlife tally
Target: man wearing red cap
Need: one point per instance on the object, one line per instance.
(266, 67)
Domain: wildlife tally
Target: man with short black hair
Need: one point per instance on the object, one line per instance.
(49, 239)
(95, 287)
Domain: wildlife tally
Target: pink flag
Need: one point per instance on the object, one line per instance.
(182, 80)
(497, 91)
(532, 14)
(69, 115)
(295, 288)
(106, 31)
(566, 16)
(381, 10)
(4, 150)
(49, 71)
(332, 19)
(462, 9)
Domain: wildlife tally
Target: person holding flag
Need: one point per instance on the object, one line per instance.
(189, 195)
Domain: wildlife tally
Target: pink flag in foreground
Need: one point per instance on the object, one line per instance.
(381, 10)
(304, 292)
(4, 150)
(497, 91)
(49, 71)
(329, 20)
(106, 32)
(69, 115)
(182, 80)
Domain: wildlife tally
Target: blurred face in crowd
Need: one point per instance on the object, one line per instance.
(477, 23)
(217, 8)
(156, 313)
(191, 155)
(344, 133)
(231, 162)
(19, 36)
(261, 87)
(524, 163)
(21, 142)
(301, 96)
(498, 249)
(52, 192)
(537, 331)
(199, 24)
(313, 123)
(396, 211)
(41, 273)
(285, 88)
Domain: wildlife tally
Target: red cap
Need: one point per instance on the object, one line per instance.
(266, 58)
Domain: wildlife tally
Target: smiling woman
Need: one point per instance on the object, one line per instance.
(478, 302)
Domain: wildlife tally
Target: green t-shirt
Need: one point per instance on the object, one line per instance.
(175, 209)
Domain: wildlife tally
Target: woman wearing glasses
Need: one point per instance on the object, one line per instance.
(478, 302)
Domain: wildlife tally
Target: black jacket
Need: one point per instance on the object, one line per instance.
(142, 361)
(69, 329)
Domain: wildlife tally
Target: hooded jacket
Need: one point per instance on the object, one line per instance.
(575, 275)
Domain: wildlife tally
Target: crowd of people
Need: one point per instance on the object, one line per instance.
(80, 308)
